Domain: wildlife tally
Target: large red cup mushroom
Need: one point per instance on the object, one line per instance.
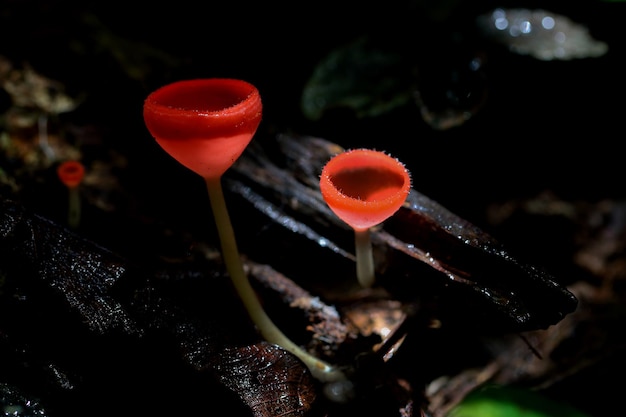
(364, 187)
(206, 124)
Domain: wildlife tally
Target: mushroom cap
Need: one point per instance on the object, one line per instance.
(71, 173)
(205, 124)
(364, 187)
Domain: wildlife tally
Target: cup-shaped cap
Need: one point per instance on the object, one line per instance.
(364, 187)
(205, 124)
(71, 173)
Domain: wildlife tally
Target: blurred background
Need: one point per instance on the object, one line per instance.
(534, 124)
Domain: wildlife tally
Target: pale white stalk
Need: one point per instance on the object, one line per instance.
(234, 266)
(74, 207)
(364, 258)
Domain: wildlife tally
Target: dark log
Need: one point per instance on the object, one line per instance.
(423, 252)
(69, 304)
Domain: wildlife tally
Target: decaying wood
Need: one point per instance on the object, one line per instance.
(436, 273)
(434, 251)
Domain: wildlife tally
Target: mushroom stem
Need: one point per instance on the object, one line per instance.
(365, 258)
(74, 209)
(234, 266)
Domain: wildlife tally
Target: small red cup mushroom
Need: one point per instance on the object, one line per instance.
(364, 187)
(71, 174)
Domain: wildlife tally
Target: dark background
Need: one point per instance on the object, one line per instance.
(546, 125)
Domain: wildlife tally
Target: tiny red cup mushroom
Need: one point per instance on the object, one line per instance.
(206, 124)
(71, 174)
(364, 187)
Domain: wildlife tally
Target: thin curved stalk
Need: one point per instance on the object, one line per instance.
(268, 329)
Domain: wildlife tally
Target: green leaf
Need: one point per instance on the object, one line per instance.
(499, 401)
(360, 76)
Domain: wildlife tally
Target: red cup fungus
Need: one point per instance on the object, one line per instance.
(364, 187)
(71, 174)
(206, 124)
